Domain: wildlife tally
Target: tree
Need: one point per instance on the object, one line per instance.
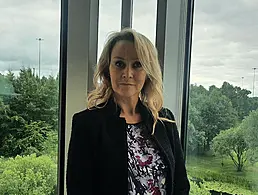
(250, 127)
(254, 103)
(33, 137)
(232, 143)
(37, 99)
(239, 98)
(196, 134)
(18, 137)
(28, 112)
(216, 114)
(6, 87)
(9, 125)
(196, 137)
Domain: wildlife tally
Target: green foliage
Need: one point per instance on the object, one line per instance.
(28, 125)
(50, 146)
(217, 109)
(211, 176)
(34, 136)
(231, 142)
(254, 103)
(196, 139)
(6, 87)
(250, 126)
(19, 138)
(239, 99)
(10, 127)
(252, 155)
(27, 117)
(37, 99)
(198, 190)
(226, 187)
(217, 114)
(210, 112)
(204, 187)
(28, 175)
(209, 168)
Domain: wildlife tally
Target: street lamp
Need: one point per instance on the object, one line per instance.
(254, 81)
(39, 39)
(243, 82)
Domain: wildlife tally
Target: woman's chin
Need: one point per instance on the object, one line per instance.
(127, 94)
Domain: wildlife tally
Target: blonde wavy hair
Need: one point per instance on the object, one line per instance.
(152, 92)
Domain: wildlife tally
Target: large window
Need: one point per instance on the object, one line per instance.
(222, 141)
(29, 80)
(109, 20)
(144, 18)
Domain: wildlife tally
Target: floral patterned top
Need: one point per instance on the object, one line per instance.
(146, 168)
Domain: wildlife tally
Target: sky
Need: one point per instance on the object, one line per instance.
(224, 48)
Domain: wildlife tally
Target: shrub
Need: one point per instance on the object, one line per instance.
(28, 175)
(211, 176)
(204, 187)
(226, 187)
(196, 190)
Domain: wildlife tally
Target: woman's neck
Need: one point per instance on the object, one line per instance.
(128, 105)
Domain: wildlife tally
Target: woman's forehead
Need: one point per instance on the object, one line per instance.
(125, 50)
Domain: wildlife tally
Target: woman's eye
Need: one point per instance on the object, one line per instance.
(137, 65)
(119, 64)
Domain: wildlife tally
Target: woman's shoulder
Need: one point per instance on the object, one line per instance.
(166, 113)
(88, 114)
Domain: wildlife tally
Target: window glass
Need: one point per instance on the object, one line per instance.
(222, 149)
(29, 66)
(109, 20)
(144, 18)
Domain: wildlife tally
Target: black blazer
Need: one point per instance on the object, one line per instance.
(97, 157)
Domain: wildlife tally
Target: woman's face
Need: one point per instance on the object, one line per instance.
(126, 72)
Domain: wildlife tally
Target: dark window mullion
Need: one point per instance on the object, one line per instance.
(126, 13)
(161, 30)
(186, 79)
(62, 96)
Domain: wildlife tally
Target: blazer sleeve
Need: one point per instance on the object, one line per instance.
(181, 185)
(79, 162)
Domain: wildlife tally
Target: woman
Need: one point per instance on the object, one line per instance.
(125, 142)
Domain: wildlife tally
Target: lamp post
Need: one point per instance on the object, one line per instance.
(243, 82)
(254, 82)
(39, 40)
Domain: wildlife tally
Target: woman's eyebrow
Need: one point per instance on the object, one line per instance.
(117, 57)
(121, 58)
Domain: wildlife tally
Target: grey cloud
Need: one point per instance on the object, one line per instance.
(225, 42)
(21, 22)
(144, 18)
(225, 37)
(148, 7)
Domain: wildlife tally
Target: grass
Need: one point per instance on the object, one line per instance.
(212, 163)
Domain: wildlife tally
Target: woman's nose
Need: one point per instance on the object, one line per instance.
(128, 72)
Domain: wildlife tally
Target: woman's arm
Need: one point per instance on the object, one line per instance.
(182, 185)
(79, 163)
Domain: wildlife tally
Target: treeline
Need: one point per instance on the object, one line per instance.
(223, 120)
(28, 114)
